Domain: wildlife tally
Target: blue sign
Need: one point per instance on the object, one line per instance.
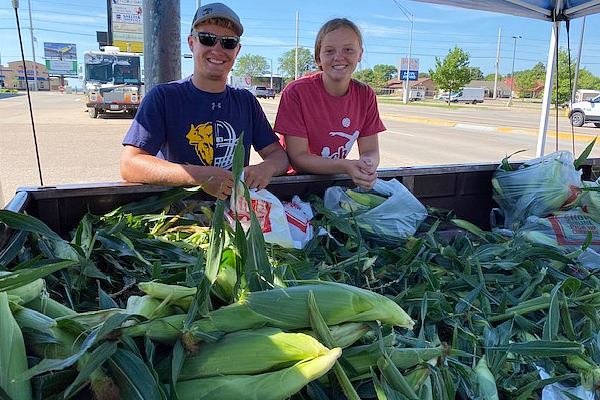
(412, 75)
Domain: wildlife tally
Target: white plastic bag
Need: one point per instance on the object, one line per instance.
(287, 224)
(539, 187)
(568, 229)
(397, 218)
(556, 391)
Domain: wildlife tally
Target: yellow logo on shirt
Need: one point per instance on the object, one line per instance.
(201, 137)
(214, 143)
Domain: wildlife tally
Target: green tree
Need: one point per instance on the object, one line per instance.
(585, 79)
(385, 72)
(251, 65)
(366, 76)
(287, 62)
(452, 72)
(491, 77)
(525, 82)
(539, 71)
(424, 75)
(476, 74)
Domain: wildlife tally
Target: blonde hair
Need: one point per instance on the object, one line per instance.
(331, 26)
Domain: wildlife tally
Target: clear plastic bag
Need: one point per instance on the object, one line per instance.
(539, 187)
(397, 218)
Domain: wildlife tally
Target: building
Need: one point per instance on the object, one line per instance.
(13, 76)
(425, 85)
(502, 88)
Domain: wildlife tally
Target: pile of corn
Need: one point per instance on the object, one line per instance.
(146, 305)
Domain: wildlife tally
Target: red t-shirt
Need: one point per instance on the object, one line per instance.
(330, 123)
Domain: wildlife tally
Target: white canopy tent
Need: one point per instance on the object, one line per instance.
(554, 11)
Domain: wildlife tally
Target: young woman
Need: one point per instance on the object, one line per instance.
(322, 115)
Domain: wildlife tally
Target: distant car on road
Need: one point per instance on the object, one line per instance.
(264, 92)
(585, 111)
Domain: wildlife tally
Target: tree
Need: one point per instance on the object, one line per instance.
(251, 65)
(367, 76)
(492, 77)
(476, 74)
(525, 82)
(385, 72)
(287, 62)
(453, 72)
(585, 79)
(377, 77)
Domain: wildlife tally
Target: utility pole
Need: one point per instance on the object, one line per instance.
(512, 74)
(497, 64)
(35, 83)
(296, 58)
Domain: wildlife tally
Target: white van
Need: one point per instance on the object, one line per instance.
(465, 95)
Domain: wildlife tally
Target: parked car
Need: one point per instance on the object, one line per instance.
(264, 92)
(586, 111)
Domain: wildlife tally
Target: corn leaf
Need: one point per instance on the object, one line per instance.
(96, 359)
(553, 316)
(395, 378)
(24, 276)
(10, 251)
(133, 377)
(27, 223)
(153, 203)
(585, 154)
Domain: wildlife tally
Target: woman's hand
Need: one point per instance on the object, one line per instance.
(362, 172)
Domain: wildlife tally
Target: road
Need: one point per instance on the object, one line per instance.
(76, 149)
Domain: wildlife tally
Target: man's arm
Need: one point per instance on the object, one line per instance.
(275, 162)
(139, 166)
(303, 161)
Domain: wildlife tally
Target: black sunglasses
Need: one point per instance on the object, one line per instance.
(210, 39)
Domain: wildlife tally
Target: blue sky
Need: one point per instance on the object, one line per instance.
(270, 30)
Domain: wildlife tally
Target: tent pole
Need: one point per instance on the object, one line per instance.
(550, 68)
(578, 62)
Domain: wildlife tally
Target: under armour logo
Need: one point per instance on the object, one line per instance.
(216, 105)
(207, 11)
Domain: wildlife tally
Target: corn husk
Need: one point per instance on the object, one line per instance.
(13, 358)
(276, 385)
(486, 383)
(287, 308)
(251, 352)
(177, 295)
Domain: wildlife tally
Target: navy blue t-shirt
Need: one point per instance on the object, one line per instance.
(183, 124)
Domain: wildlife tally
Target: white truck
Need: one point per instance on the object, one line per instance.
(585, 111)
(112, 81)
(465, 95)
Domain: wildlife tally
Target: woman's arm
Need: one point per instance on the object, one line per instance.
(303, 161)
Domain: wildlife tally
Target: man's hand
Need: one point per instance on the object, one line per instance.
(258, 176)
(216, 181)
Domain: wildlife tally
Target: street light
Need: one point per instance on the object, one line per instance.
(512, 74)
(410, 18)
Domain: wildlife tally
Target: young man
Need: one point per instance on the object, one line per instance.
(185, 131)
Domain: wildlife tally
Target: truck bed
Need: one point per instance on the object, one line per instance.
(465, 189)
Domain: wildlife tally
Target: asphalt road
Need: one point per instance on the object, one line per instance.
(76, 149)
